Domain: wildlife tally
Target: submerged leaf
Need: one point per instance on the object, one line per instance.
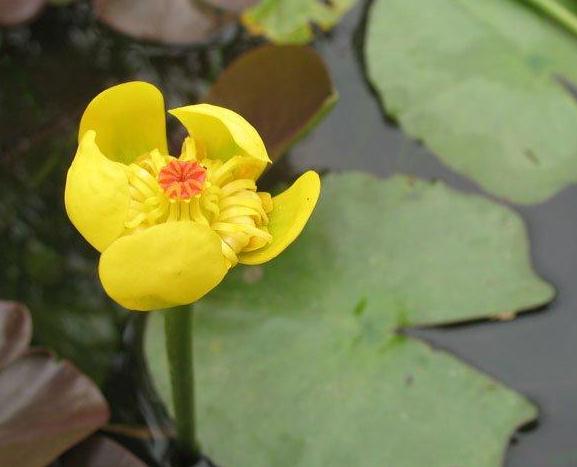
(289, 21)
(15, 331)
(299, 362)
(47, 405)
(171, 21)
(100, 451)
(282, 90)
(14, 12)
(487, 98)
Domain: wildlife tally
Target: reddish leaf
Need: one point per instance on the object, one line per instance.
(47, 406)
(13, 12)
(100, 451)
(282, 90)
(15, 331)
(171, 21)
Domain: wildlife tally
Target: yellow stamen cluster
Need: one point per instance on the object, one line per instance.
(228, 203)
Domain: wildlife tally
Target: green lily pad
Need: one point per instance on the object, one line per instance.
(289, 21)
(300, 362)
(283, 91)
(487, 98)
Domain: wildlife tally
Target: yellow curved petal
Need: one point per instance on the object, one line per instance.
(223, 134)
(164, 266)
(96, 194)
(129, 121)
(290, 213)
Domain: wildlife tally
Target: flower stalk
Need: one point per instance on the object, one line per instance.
(178, 329)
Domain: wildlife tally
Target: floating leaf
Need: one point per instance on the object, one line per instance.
(289, 21)
(47, 405)
(171, 21)
(14, 12)
(100, 451)
(299, 362)
(282, 90)
(15, 331)
(487, 99)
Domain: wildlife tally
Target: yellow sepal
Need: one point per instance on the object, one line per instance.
(223, 134)
(291, 211)
(129, 121)
(96, 194)
(163, 266)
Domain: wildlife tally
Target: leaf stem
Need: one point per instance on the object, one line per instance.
(178, 329)
(558, 12)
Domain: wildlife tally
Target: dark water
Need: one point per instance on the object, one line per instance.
(50, 70)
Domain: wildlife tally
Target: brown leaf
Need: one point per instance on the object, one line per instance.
(47, 406)
(13, 12)
(15, 331)
(282, 90)
(171, 21)
(100, 451)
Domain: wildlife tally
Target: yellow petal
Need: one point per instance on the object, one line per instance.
(164, 266)
(224, 134)
(129, 121)
(96, 194)
(291, 211)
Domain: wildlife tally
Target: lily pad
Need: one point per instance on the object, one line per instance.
(301, 363)
(15, 331)
(47, 404)
(14, 12)
(282, 90)
(289, 21)
(100, 451)
(170, 21)
(487, 98)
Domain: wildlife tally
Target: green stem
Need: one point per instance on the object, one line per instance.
(558, 12)
(178, 330)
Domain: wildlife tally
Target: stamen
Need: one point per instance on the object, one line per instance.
(238, 185)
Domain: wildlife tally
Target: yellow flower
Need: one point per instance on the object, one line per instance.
(169, 229)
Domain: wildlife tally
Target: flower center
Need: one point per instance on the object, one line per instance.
(216, 194)
(182, 179)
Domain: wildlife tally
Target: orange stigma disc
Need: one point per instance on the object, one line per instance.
(182, 180)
